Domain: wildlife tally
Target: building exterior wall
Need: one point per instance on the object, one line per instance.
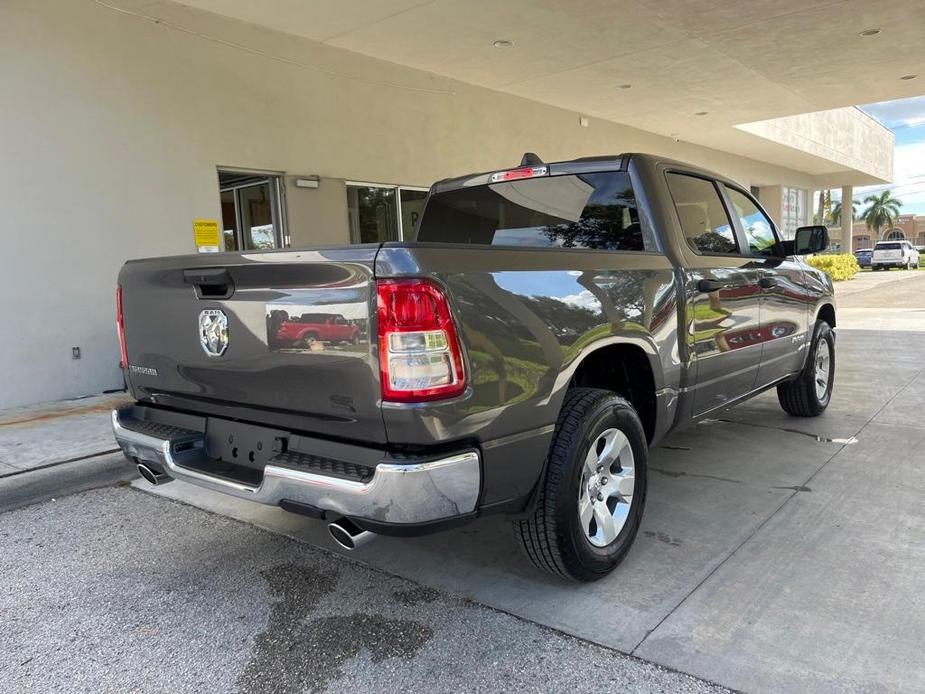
(912, 228)
(113, 127)
(844, 135)
(317, 216)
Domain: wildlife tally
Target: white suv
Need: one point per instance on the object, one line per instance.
(889, 254)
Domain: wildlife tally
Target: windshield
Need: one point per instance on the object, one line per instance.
(595, 210)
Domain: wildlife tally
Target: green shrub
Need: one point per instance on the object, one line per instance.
(839, 267)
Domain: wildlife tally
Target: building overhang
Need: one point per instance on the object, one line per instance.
(770, 81)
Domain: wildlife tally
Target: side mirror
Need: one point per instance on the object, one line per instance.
(813, 239)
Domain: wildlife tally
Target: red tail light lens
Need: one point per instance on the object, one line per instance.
(419, 352)
(120, 329)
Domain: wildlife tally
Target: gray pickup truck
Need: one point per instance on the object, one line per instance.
(546, 326)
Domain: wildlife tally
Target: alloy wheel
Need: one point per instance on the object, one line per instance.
(823, 361)
(606, 491)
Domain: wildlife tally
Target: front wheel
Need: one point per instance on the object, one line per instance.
(590, 501)
(810, 393)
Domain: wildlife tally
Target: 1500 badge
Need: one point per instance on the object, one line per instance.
(145, 370)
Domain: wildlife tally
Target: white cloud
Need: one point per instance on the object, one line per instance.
(908, 179)
(583, 299)
(898, 112)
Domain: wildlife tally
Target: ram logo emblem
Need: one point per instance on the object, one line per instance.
(213, 331)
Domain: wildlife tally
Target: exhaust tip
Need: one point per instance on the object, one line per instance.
(152, 476)
(341, 536)
(348, 534)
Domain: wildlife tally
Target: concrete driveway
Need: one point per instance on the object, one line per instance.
(776, 554)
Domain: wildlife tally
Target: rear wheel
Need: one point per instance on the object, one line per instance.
(591, 499)
(810, 393)
(307, 340)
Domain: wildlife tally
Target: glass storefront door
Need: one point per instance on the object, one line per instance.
(251, 211)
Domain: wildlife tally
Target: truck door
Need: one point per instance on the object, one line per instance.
(784, 297)
(722, 322)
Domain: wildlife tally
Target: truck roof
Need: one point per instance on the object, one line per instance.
(603, 162)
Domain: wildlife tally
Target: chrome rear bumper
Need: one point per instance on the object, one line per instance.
(417, 492)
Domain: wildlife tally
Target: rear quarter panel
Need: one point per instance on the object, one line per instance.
(527, 319)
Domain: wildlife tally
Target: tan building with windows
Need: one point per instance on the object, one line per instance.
(909, 227)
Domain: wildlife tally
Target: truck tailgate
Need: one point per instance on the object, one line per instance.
(236, 334)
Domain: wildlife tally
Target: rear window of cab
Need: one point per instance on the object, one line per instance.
(594, 211)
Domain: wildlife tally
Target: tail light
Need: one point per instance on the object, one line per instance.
(419, 352)
(120, 328)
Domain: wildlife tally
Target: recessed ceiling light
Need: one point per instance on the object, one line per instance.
(503, 43)
(908, 77)
(701, 113)
(869, 32)
(624, 86)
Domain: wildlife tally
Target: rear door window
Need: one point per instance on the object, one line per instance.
(595, 211)
(703, 217)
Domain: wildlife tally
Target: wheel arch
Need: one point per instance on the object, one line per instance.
(627, 369)
(826, 312)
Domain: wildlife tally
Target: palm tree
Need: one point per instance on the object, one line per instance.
(882, 211)
(825, 204)
(836, 211)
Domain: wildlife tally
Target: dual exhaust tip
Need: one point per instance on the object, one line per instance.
(344, 531)
(153, 475)
(348, 534)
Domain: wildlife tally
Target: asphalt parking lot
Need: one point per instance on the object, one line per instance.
(777, 554)
(118, 590)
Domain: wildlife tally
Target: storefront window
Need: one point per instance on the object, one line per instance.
(792, 211)
(372, 214)
(412, 204)
(379, 213)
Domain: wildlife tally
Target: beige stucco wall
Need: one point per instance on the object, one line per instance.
(317, 215)
(847, 136)
(112, 127)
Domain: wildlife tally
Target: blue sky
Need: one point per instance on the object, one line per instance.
(906, 118)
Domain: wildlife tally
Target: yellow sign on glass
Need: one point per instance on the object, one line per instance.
(205, 233)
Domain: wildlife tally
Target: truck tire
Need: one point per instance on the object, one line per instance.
(810, 393)
(307, 340)
(590, 501)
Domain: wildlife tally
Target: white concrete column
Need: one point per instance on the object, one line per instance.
(847, 219)
(770, 197)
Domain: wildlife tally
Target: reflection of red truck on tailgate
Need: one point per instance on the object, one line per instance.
(317, 327)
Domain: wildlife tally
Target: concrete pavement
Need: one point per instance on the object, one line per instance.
(58, 448)
(49, 433)
(883, 301)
